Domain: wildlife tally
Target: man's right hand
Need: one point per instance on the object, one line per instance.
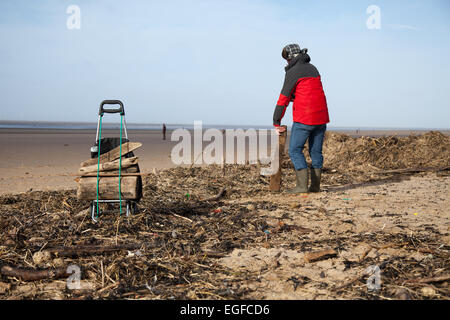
(280, 129)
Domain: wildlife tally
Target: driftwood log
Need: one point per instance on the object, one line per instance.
(414, 170)
(321, 255)
(275, 180)
(108, 166)
(429, 280)
(114, 154)
(108, 188)
(26, 274)
(220, 195)
(112, 174)
(81, 250)
(34, 275)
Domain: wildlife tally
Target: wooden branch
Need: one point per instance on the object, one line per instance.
(413, 170)
(365, 253)
(90, 249)
(221, 193)
(213, 254)
(181, 217)
(107, 166)
(275, 180)
(428, 280)
(34, 275)
(114, 154)
(350, 282)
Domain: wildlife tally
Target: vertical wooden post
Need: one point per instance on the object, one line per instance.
(275, 180)
(223, 151)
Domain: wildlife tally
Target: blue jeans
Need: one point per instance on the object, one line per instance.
(299, 134)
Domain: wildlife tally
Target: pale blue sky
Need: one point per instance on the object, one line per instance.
(220, 61)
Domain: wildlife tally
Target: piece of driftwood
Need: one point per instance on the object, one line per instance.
(220, 195)
(321, 255)
(429, 280)
(350, 282)
(108, 166)
(113, 154)
(275, 179)
(90, 249)
(214, 254)
(365, 253)
(34, 275)
(413, 170)
(113, 174)
(108, 188)
(130, 171)
(181, 217)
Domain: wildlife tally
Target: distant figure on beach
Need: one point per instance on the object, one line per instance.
(303, 85)
(164, 131)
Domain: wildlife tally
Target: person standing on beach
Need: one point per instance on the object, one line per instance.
(164, 131)
(303, 86)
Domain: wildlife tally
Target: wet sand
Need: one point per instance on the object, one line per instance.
(48, 159)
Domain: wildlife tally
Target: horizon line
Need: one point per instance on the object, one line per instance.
(18, 122)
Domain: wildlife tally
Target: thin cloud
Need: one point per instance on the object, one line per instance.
(403, 27)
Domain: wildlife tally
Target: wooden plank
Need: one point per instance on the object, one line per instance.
(113, 154)
(113, 174)
(108, 188)
(275, 180)
(108, 166)
(130, 171)
(321, 255)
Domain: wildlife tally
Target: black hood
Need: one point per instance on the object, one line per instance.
(301, 58)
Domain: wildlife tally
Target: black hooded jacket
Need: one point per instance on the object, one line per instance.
(303, 85)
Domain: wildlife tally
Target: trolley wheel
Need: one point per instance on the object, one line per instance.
(128, 208)
(93, 211)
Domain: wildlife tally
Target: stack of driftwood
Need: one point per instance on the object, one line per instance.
(108, 185)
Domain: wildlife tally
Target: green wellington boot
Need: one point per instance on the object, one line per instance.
(302, 182)
(315, 180)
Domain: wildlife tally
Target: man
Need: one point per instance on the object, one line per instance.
(164, 131)
(302, 84)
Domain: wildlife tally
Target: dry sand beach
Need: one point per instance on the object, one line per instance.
(385, 203)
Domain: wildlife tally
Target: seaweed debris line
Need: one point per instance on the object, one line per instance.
(218, 233)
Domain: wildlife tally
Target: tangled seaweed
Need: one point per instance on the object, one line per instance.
(179, 235)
